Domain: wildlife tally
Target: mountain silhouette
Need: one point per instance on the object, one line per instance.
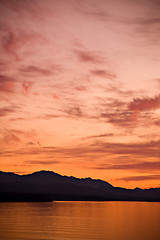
(50, 186)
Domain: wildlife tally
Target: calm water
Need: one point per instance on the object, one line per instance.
(80, 221)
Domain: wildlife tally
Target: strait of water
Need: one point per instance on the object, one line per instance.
(80, 221)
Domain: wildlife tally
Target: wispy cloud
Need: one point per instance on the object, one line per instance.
(104, 73)
(157, 123)
(148, 21)
(101, 135)
(43, 162)
(14, 43)
(138, 166)
(34, 70)
(5, 111)
(121, 118)
(19, 137)
(145, 104)
(89, 56)
(137, 151)
(75, 112)
(49, 116)
(96, 14)
(6, 83)
(140, 178)
(81, 88)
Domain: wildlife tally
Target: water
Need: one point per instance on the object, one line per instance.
(80, 221)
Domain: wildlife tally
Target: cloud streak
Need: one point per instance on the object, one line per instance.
(104, 73)
(131, 150)
(7, 84)
(99, 15)
(138, 167)
(89, 57)
(43, 162)
(33, 71)
(140, 178)
(5, 111)
(101, 135)
(145, 104)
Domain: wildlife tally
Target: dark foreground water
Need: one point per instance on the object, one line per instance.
(80, 221)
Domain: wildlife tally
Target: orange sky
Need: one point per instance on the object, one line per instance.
(80, 89)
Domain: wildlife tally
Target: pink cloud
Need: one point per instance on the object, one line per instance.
(32, 9)
(144, 104)
(103, 73)
(81, 88)
(94, 13)
(6, 83)
(34, 70)
(89, 56)
(11, 138)
(7, 110)
(15, 136)
(55, 97)
(36, 94)
(15, 43)
(101, 135)
(157, 123)
(74, 112)
(49, 116)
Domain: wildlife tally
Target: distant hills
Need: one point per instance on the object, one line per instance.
(49, 186)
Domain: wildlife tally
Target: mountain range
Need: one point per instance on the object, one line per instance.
(49, 186)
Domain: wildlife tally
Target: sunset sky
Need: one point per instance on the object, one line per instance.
(80, 89)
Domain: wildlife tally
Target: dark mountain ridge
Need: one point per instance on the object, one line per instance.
(50, 186)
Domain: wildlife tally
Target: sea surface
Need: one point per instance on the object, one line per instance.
(80, 221)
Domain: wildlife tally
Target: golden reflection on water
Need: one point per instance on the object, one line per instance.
(80, 221)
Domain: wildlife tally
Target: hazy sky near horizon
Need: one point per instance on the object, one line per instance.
(80, 89)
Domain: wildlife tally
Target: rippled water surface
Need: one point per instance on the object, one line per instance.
(80, 221)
